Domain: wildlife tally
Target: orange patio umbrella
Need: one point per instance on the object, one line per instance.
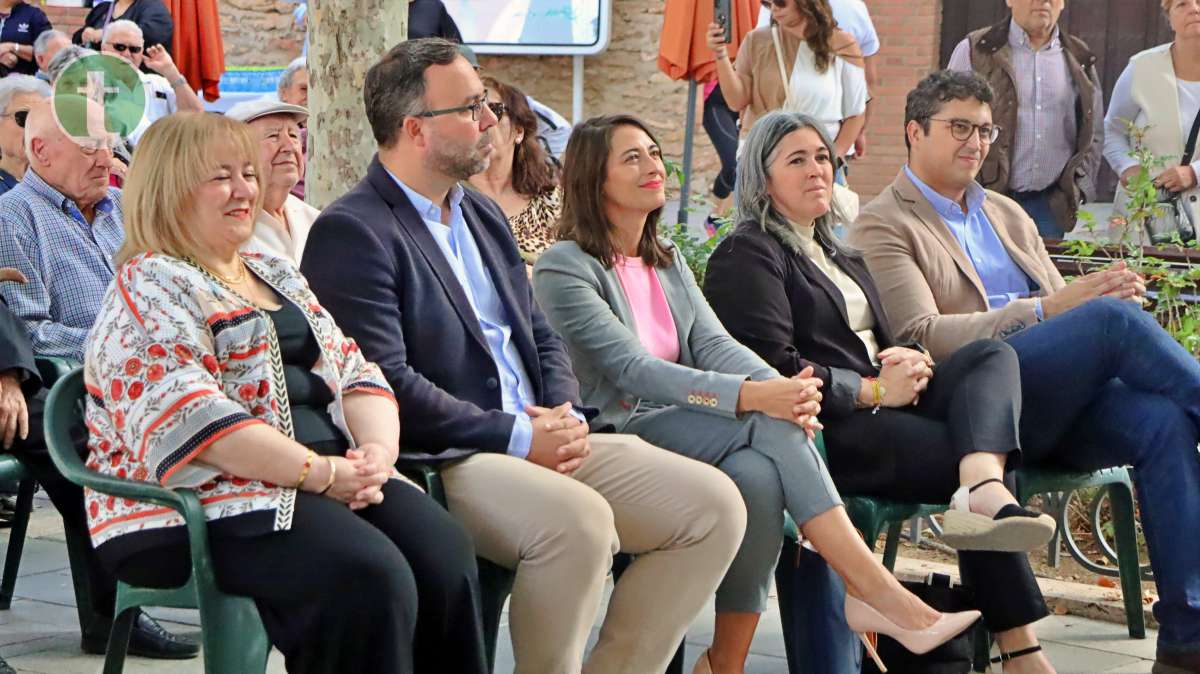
(197, 45)
(683, 52)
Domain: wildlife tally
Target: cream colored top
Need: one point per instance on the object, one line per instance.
(286, 240)
(858, 310)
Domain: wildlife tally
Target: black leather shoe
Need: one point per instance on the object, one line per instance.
(148, 640)
(1176, 663)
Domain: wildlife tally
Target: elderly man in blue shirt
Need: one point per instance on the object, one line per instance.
(60, 227)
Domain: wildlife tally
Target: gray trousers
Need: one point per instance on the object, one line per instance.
(774, 467)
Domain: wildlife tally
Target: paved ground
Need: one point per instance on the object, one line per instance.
(40, 633)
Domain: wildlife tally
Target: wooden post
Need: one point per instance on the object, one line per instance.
(346, 37)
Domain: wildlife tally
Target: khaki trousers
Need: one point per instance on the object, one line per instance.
(683, 520)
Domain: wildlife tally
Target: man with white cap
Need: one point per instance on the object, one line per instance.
(283, 225)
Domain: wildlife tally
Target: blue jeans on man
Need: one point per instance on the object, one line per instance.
(1037, 206)
(1104, 385)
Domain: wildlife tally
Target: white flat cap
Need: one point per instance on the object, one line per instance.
(248, 111)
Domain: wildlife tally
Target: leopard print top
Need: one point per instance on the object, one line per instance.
(534, 226)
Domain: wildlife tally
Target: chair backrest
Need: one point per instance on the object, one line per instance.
(64, 422)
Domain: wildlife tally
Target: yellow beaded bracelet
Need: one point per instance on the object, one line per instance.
(304, 471)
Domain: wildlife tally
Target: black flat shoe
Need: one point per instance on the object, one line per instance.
(1176, 663)
(148, 639)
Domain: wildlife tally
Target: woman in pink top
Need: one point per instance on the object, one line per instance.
(650, 354)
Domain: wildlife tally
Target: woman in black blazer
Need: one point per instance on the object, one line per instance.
(784, 286)
(152, 16)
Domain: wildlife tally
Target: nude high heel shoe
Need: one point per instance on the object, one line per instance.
(703, 666)
(862, 618)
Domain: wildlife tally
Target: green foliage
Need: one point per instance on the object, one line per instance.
(1173, 283)
(695, 249)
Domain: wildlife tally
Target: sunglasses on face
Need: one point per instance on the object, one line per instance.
(121, 48)
(19, 117)
(778, 3)
(498, 109)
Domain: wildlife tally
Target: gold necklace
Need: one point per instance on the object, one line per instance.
(234, 281)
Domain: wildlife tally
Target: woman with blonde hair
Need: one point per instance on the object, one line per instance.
(219, 371)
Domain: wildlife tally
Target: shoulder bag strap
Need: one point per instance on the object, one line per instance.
(1189, 152)
(783, 75)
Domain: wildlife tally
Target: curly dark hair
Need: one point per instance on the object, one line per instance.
(532, 172)
(819, 30)
(939, 88)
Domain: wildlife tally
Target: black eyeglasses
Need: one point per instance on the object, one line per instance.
(962, 130)
(498, 109)
(778, 3)
(122, 48)
(19, 117)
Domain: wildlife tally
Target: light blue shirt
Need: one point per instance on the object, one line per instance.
(1003, 280)
(462, 254)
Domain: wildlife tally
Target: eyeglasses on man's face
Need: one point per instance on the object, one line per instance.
(121, 48)
(962, 130)
(498, 109)
(19, 117)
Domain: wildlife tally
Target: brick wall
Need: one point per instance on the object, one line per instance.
(66, 19)
(625, 78)
(909, 33)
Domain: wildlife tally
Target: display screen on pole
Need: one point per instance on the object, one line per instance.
(533, 26)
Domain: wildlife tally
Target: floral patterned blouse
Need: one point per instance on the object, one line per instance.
(176, 361)
(534, 227)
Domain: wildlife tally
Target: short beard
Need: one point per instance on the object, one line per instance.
(457, 162)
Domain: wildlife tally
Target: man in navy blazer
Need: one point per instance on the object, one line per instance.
(426, 277)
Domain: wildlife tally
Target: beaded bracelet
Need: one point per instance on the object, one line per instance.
(304, 471)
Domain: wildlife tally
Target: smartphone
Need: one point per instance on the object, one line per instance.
(721, 14)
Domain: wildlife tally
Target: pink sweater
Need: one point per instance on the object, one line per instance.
(652, 318)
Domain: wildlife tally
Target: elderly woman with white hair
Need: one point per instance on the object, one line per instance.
(17, 94)
(283, 224)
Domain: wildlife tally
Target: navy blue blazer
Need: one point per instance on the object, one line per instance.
(374, 265)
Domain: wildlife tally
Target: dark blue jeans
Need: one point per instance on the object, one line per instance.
(1037, 205)
(1104, 385)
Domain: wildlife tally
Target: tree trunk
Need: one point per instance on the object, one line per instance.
(345, 38)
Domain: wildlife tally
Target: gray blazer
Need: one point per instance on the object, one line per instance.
(586, 305)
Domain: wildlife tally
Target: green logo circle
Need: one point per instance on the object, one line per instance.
(97, 97)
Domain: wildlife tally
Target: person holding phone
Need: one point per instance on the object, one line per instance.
(802, 63)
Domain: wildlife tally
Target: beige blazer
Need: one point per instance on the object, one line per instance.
(286, 241)
(930, 289)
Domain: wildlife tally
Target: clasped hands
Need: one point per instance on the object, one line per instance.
(796, 399)
(560, 439)
(904, 374)
(360, 475)
(1117, 280)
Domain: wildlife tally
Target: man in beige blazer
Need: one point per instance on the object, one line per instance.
(1102, 384)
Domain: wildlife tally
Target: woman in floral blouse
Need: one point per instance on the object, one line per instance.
(520, 178)
(219, 371)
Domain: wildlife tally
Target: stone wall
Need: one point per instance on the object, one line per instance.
(625, 78)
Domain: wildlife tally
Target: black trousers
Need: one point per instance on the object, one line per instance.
(391, 588)
(68, 500)
(721, 125)
(973, 404)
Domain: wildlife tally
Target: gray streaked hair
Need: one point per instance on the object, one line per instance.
(21, 84)
(42, 43)
(754, 175)
(121, 24)
(65, 57)
(289, 74)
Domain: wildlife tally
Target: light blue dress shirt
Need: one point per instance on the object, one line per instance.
(1003, 280)
(462, 254)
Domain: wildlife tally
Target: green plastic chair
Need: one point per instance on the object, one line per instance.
(11, 468)
(233, 636)
(1043, 480)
